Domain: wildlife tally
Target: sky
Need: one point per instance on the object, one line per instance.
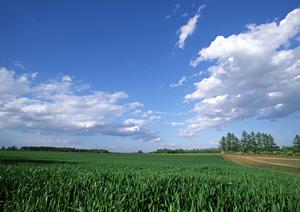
(141, 75)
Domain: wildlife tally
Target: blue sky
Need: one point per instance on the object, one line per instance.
(121, 75)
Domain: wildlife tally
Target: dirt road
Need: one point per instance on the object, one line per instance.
(286, 164)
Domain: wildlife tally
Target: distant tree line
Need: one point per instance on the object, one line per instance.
(296, 143)
(255, 142)
(54, 149)
(13, 148)
(180, 151)
(249, 142)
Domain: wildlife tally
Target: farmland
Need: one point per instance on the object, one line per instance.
(289, 165)
(59, 181)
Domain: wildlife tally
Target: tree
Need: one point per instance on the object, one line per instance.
(296, 143)
(269, 143)
(222, 143)
(265, 142)
(61, 149)
(243, 141)
(287, 149)
(235, 143)
(248, 143)
(259, 142)
(228, 142)
(252, 142)
(272, 145)
(13, 148)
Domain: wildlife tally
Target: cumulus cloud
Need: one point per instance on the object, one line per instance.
(63, 106)
(255, 74)
(11, 84)
(187, 30)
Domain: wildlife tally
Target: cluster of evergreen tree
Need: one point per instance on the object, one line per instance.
(296, 143)
(249, 142)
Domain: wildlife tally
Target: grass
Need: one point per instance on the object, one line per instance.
(57, 181)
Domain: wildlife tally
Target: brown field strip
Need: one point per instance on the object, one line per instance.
(286, 164)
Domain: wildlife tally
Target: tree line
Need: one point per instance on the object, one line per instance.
(249, 142)
(255, 142)
(54, 149)
(180, 151)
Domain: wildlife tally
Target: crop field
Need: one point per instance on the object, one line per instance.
(57, 181)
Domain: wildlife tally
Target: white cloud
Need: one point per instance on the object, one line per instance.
(66, 78)
(179, 83)
(188, 29)
(184, 15)
(58, 106)
(151, 115)
(198, 74)
(184, 79)
(256, 74)
(177, 123)
(215, 100)
(11, 85)
(135, 105)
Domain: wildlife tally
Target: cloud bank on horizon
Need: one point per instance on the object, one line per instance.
(255, 74)
(67, 107)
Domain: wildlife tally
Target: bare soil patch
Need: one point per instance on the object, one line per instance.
(286, 164)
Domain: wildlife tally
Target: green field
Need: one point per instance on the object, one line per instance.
(57, 181)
